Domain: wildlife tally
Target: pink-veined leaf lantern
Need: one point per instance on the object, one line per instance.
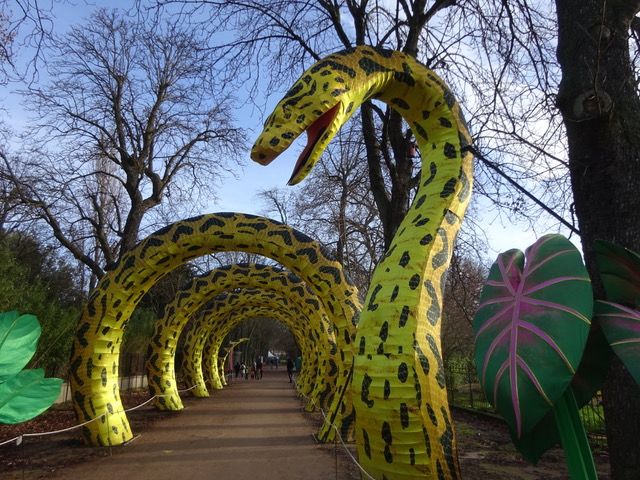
(531, 328)
(619, 316)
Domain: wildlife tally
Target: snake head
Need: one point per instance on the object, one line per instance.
(315, 104)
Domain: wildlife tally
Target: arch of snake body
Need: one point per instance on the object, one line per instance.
(281, 314)
(210, 368)
(403, 424)
(266, 304)
(210, 323)
(220, 363)
(319, 359)
(161, 352)
(96, 348)
(319, 393)
(314, 366)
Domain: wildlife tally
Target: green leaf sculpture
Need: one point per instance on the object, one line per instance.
(18, 341)
(621, 326)
(531, 328)
(619, 316)
(619, 270)
(24, 394)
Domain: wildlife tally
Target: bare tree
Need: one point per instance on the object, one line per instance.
(464, 283)
(495, 54)
(130, 117)
(6, 38)
(25, 25)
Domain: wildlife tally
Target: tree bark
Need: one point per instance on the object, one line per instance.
(601, 112)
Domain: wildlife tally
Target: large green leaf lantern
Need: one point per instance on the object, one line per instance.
(24, 394)
(619, 315)
(531, 329)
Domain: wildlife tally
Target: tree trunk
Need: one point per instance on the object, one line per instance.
(601, 112)
(131, 229)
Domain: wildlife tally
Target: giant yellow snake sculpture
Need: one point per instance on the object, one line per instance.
(403, 424)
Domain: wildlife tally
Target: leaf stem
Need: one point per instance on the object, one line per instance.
(574, 438)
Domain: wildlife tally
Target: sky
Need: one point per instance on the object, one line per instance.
(239, 193)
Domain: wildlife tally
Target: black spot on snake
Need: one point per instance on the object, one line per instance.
(370, 66)
(445, 122)
(384, 331)
(403, 372)
(450, 150)
(394, 294)
(448, 187)
(404, 315)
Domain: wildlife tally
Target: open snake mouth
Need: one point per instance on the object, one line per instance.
(315, 133)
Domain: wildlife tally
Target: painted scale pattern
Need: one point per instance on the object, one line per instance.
(96, 348)
(310, 319)
(403, 424)
(167, 330)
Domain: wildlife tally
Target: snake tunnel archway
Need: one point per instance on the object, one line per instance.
(96, 348)
(279, 313)
(211, 326)
(198, 291)
(207, 324)
(307, 384)
(293, 292)
(231, 312)
(210, 366)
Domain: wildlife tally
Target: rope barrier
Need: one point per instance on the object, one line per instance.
(333, 425)
(19, 438)
(346, 449)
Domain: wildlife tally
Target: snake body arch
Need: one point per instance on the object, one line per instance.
(188, 300)
(96, 348)
(319, 369)
(403, 424)
(207, 324)
(229, 310)
(239, 305)
(266, 279)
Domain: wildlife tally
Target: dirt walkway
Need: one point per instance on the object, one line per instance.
(252, 430)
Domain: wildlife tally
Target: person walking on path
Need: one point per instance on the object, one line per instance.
(290, 369)
(259, 369)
